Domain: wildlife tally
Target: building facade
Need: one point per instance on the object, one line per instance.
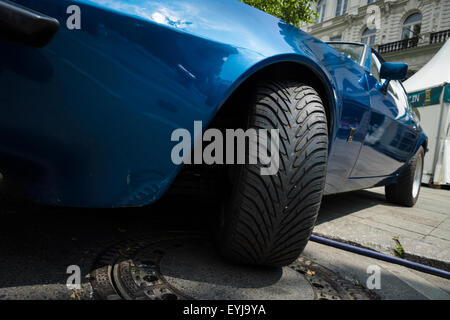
(410, 31)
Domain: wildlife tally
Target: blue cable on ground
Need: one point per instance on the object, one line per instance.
(381, 256)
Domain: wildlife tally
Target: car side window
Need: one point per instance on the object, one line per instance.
(404, 96)
(401, 99)
(394, 89)
(375, 66)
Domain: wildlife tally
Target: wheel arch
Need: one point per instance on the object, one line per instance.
(424, 143)
(286, 68)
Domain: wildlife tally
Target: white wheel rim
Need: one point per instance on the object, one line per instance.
(417, 177)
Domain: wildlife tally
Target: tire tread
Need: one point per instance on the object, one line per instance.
(270, 218)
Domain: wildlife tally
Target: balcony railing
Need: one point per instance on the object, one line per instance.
(398, 45)
(441, 36)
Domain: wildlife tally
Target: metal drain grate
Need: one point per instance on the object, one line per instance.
(132, 270)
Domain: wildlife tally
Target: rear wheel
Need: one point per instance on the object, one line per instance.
(406, 190)
(268, 220)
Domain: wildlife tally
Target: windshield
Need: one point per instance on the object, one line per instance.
(353, 51)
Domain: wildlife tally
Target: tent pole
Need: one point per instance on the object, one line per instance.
(438, 141)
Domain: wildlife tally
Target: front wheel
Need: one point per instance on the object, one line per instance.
(268, 219)
(406, 191)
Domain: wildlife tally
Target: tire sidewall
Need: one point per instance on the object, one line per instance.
(419, 157)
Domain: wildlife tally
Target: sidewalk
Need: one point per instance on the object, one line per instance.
(365, 219)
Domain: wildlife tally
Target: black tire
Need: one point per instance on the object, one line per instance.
(268, 219)
(402, 192)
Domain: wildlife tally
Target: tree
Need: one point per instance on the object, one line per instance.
(291, 11)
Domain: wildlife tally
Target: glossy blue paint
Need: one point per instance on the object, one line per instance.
(393, 70)
(87, 120)
(392, 131)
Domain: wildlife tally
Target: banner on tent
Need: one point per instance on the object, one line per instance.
(447, 93)
(429, 97)
(426, 97)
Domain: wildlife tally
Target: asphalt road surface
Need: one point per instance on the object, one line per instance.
(38, 244)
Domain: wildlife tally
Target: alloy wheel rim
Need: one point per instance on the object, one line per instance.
(417, 177)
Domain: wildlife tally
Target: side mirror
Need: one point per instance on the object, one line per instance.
(392, 71)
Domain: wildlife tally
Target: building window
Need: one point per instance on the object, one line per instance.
(336, 38)
(341, 7)
(368, 37)
(370, 1)
(412, 26)
(321, 7)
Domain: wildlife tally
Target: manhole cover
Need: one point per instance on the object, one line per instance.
(188, 267)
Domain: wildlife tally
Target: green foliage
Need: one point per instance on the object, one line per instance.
(291, 11)
(398, 250)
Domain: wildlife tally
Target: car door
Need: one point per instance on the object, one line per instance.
(392, 131)
(348, 70)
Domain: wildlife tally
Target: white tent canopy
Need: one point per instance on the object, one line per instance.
(433, 74)
(429, 95)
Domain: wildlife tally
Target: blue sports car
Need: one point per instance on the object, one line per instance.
(94, 94)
